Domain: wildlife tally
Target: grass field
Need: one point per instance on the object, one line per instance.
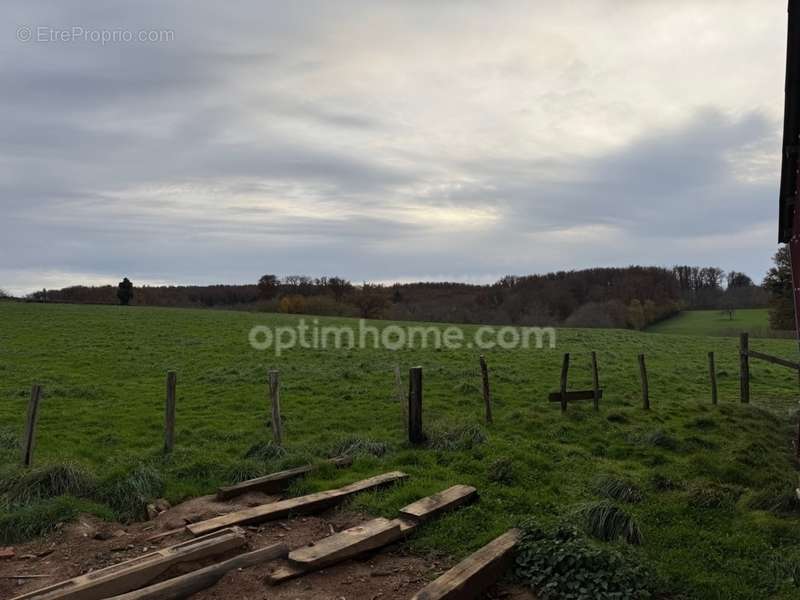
(714, 485)
(755, 321)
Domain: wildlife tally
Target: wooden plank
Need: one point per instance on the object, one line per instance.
(776, 360)
(169, 413)
(712, 374)
(487, 396)
(275, 401)
(347, 544)
(415, 433)
(275, 482)
(132, 574)
(191, 583)
(303, 504)
(564, 373)
(433, 506)
(596, 391)
(470, 578)
(744, 368)
(576, 395)
(29, 440)
(645, 385)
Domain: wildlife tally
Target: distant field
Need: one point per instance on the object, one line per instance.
(716, 510)
(755, 321)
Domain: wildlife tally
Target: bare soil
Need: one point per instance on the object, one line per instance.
(90, 544)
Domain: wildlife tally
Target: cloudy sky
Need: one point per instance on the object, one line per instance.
(393, 140)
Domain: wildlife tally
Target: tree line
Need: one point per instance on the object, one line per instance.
(623, 297)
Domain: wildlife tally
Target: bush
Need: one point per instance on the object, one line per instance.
(465, 437)
(619, 489)
(356, 446)
(48, 482)
(607, 523)
(558, 564)
(43, 516)
(502, 471)
(129, 492)
(710, 494)
(265, 451)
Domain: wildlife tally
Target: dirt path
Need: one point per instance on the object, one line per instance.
(90, 544)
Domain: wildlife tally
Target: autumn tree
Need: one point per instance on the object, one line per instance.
(125, 291)
(268, 287)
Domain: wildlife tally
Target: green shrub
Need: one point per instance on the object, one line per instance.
(606, 522)
(465, 437)
(129, 492)
(356, 446)
(619, 489)
(50, 481)
(710, 494)
(502, 471)
(265, 451)
(558, 564)
(41, 517)
(660, 439)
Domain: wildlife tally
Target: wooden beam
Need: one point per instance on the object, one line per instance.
(184, 586)
(132, 574)
(304, 504)
(576, 395)
(470, 578)
(29, 441)
(275, 482)
(776, 360)
(433, 506)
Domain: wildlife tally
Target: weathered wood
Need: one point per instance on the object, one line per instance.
(303, 504)
(415, 433)
(347, 544)
(470, 578)
(275, 403)
(135, 573)
(776, 360)
(712, 375)
(744, 368)
(597, 392)
(169, 413)
(487, 396)
(275, 482)
(29, 438)
(564, 373)
(645, 385)
(432, 506)
(184, 586)
(575, 395)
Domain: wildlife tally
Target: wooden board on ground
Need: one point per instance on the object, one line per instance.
(470, 578)
(274, 482)
(348, 543)
(578, 395)
(368, 536)
(432, 506)
(132, 574)
(303, 504)
(184, 586)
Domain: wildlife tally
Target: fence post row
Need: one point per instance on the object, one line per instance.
(30, 425)
(169, 413)
(487, 397)
(275, 402)
(415, 434)
(645, 386)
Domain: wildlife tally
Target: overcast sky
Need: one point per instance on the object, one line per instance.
(459, 140)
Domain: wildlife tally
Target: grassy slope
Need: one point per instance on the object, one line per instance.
(714, 322)
(103, 371)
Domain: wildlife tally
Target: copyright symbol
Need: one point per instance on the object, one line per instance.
(24, 34)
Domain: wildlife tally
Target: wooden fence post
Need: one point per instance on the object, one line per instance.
(645, 386)
(487, 397)
(712, 373)
(564, 372)
(30, 425)
(744, 368)
(169, 413)
(415, 434)
(595, 381)
(275, 402)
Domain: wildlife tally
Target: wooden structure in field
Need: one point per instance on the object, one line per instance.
(563, 396)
